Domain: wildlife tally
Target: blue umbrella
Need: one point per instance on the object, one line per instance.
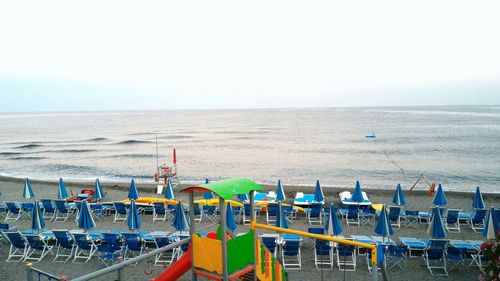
(439, 197)
(399, 197)
(280, 193)
(230, 222)
(180, 222)
(332, 225)
(478, 200)
(99, 192)
(491, 227)
(318, 193)
(207, 195)
(132, 192)
(133, 218)
(169, 191)
(436, 228)
(243, 197)
(383, 226)
(85, 219)
(281, 220)
(27, 190)
(357, 196)
(37, 222)
(62, 193)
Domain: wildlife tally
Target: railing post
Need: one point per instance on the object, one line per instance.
(120, 274)
(192, 232)
(374, 272)
(29, 272)
(223, 227)
(252, 218)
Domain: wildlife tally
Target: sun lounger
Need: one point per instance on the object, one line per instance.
(304, 199)
(14, 211)
(413, 244)
(346, 257)
(37, 247)
(18, 246)
(435, 256)
(64, 244)
(85, 246)
(452, 223)
(345, 197)
(290, 254)
(323, 253)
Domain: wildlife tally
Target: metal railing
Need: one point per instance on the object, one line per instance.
(31, 272)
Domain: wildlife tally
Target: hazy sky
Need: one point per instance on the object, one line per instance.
(93, 55)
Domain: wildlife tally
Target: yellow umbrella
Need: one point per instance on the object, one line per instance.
(150, 200)
(377, 207)
(215, 202)
(264, 204)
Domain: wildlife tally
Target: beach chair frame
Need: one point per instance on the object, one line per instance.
(435, 257)
(166, 257)
(477, 220)
(395, 216)
(64, 243)
(121, 212)
(352, 215)
(411, 218)
(18, 246)
(159, 211)
(323, 254)
(14, 211)
(133, 244)
(455, 256)
(62, 212)
(85, 247)
(452, 223)
(270, 243)
(290, 254)
(37, 246)
(346, 251)
(49, 210)
(271, 214)
(198, 213)
(396, 256)
(315, 214)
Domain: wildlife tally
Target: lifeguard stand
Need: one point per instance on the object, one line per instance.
(165, 173)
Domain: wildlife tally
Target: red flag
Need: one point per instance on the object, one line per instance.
(175, 157)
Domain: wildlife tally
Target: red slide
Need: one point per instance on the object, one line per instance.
(177, 269)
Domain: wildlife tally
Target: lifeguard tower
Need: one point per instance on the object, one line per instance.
(164, 173)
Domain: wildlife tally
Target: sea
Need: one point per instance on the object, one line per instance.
(457, 146)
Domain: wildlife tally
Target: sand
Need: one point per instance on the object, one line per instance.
(414, 268)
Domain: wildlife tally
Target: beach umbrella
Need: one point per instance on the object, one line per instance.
(357, 196)
(132, 192)
(318, 193)
(99, 191)
(280, 192)
(478, 200)
(85, 219)
(332, 225)
(27, 190)
(230, 221)
(281, 220)
(436, 228)
(399, 197)
(133, 218)
(169, 191)
(491, 226)
(383, 226)
(243, 197)
(208, 194)
(62, 193)
(180, 221)
(439, 197)
(37, 220)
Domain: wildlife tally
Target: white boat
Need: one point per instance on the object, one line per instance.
(371, 135)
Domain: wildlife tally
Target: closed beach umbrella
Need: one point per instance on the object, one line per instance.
(180, 221)
(99, 191)
(62, 193)
(133, 218)
(243, 197)
(27, 190)
(85, 219)
(175, 157)
(280, 192)
(207, 195)
(399, 198)
(436, 228)
(439, 197)
(281, 220)
(37, 222)
(332, 225)
(318, 193)
(132, 192)
(357, 196)
(230, 221)
(491, 226)
(478, 200)
(383, 226)
(169, 191)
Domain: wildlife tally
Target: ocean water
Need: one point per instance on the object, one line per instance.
(458, 146)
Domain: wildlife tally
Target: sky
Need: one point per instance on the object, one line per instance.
(112, 55)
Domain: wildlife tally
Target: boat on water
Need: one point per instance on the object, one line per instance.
(371, 135)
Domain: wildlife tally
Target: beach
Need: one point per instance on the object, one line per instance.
(414, 269)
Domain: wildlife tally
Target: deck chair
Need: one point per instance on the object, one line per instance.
(85, 247)
(27, 207)
(166, 257)
(452, 223)
(315, 214)
(99, 211)
(289, 212)
(37, 248)
(345, 252)
(198, 213)
(456, 256)
(395, 216)
(49, 211)
(133, 244)
(270, 243)
(477, 220)
(478, 259)
(159, 211)
(315, 230)
(63, 212)
(120, 212)
(246, 213)
(209, 213)
(352, 215)
(272, 210)
(396, 256)
(14, 211)
(290, 254)
(111, 250)
(367, 216)
(18, 246)
(65, 247)
(435, 257)
(323, 253)
(410, 218)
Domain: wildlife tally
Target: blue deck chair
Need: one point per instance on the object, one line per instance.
(63, 212)
(315, 214)
(166, 257)
(367, 216)
(345, 252)
(323, 253)
(452, 223)
(209, 212)
(49, 211)
(435, 257)
(245, 213)
(270, 243)
(456, 256)
(272, 211)
(410, 218)
(315, 230)
(395, 216)
(289, 212)
(65, 247)
(111, 249)
(159, 211)
(198, 213)
(352, 215)
(396, 256)
(120, 212)
(37, 248)
(133, 244)
(99, 211)
(477, 220)
(18, 246)
(14, 211)
(290, 254)
(85, 247)
(27, 207)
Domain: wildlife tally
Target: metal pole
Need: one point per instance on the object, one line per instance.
(385, 276)
(120, 274)
(252, 218)
(222, 207)
(29, 272)
(192, 232)
(374, 272)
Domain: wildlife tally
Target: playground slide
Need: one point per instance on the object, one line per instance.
(177, 269)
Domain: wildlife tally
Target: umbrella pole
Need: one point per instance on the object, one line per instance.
(252, 218)
(191, 231)
(222, 206)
